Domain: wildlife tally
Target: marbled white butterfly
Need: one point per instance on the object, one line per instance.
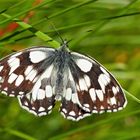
(40, 76)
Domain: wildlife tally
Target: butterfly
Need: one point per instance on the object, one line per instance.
(40, 76)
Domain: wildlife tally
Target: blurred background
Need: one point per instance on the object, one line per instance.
(107, 30)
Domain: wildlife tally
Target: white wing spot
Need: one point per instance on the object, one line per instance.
(75, 98)
(6, 88)
(11, 95)
(92, 94)
(35, 90)
(41, 94)
(109, 111)
(0, 78)
(82, 84)
(11, 59)
(26, 103)
(87, 79)
(79, 113)
(19, 80)
(113, 100)
(50, 107)
(1, 67)
(48, 91)
(28, 96)
(115, 110)
(41, 109)
(12, 78)
(21, 93)
(84, 65)
(14, 65)
(117, 88)
(72, 113)
(103, 81)
(12, 92)
(120, 108)
(108, 107)
(100, 95)
(42, 114)
(33, 108)
(28, 69)
(68, 94)
(31, 75)
(102, 107)
(114, 90)
(95, 107)
(101, 111)
(94, 111)
(70, 76)
(64, 110)
(37, 56)
(107, 77)
(86, 105)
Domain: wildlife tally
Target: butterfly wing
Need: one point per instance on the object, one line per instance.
(95, 90)
(72, 111)
(27, 74)
(90, 88)
(19, 71)
(69, 104)
(39, 107)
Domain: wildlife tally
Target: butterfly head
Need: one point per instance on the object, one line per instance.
(64, 46)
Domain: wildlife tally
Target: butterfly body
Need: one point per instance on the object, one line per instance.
(40, 76)
(60, 73)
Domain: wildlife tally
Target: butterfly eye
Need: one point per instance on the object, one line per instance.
(40, 76)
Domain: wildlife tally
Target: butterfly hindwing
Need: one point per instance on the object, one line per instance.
(72, 111)
(41, 99)
(38, 107)
(69, 107)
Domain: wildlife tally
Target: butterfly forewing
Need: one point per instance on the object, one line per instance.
(19, 71)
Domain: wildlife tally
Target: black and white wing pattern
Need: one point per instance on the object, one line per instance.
(39, 76)
(26, 75)
(90, 89)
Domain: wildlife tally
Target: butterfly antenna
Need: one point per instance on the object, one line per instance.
(54, 27)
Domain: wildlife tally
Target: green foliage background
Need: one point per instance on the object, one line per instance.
(108, 30)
